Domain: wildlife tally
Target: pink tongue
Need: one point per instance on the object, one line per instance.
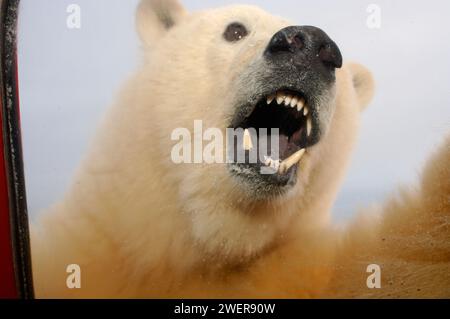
(287, 148)
(296, 137)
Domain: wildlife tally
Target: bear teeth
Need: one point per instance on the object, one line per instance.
(274, 164)
(305, 111)
(270, 99)
(289, 100)
(247, 143)
(291, 161)
(308, 126)
(300, 104)
(293, 101)
(284, 166)
(280, 98)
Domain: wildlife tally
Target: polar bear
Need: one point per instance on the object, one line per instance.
(136, 224)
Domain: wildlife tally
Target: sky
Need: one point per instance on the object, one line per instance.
(69, 77)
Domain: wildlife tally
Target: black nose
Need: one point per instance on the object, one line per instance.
(306, 42)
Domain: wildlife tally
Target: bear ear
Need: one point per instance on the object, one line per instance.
(155, 17)
(363, 83)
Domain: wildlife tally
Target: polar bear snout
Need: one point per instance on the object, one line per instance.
(304, 46)
(285, 107)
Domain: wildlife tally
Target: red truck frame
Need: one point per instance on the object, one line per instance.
(15, 261)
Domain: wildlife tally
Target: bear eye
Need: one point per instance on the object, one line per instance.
(235, 31)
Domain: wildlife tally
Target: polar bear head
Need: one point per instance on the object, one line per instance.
(240, 67)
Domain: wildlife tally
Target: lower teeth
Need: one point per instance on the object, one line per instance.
(284, 166)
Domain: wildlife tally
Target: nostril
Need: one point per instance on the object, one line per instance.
(298, 41)
(304, 44)
(279, 43)
(287, 40)
(330, 55)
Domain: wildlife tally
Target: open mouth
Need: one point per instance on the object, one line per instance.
(288, 112)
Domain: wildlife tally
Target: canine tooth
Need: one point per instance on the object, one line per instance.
(308, 126)
(288, 100)
(300, 104)
(294, 101)
(270, 99)
(291, 161)
(305, 111)
(247, 143)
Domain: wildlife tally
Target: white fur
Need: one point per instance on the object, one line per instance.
(141, 226)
